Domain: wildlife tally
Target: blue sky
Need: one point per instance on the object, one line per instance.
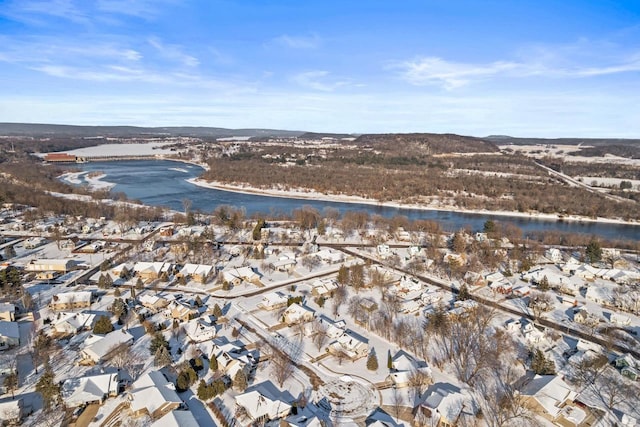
(516, 67)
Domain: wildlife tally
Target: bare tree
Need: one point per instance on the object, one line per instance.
(397, 401)
(339, 297)
(320, 336)
(283, 354)
(120, 355)
(597, 376)
(418, 381)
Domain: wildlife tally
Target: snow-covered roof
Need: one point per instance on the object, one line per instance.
(6, 307)
(102, 347)
(9, 329)
(446, 399)
(257, 405)
(196, 270)
(550, 391)
(78, 391)
(198, 330)
(76, 321)
(72, 297)
(151, 391)
(177, 419)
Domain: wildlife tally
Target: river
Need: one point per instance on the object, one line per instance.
(163, 183)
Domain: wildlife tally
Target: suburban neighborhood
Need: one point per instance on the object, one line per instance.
(288, 323)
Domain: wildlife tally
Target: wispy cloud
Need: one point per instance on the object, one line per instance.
(298, 42)
(542, 63)
(318, 80)
(33, 11)
(173, 52)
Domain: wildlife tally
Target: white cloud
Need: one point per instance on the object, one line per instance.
(173, 52)
(452, 75)
(298, 42)
(318, 80)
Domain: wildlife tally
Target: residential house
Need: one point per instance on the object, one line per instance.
(152, 270)
(177, 419)
(548, 395)
(522, 291)
(7, 312)
(383, 250)
(330, 256)
(153, 302)
(259, 406)
(273, 301)
(12, 411)
(404, 366)
(600, 294)
(60, 265)
(198, 272)
(554, 255)
(181, 311)
(297, 313)
(620, 319)
(71, 300)
(87, 390)
(445, 404)
(236, 276)
(72, 323)
(199, 330)
(323, 287)
(350, 345)
(431, 296)
(153, 395)
(100, 348)
(9, 335)
(629, 366)
(332, 329)
(583, 317)
(231, 357)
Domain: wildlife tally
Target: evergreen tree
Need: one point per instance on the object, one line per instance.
(544, 284)
(217, 311)
(213, 363)
(541, 365)
(463, 294)
(158, 341)
(593, 252)
(372, 362)
(48, 388)
(389, 360)
(203, 391)
(162, 357)
(139, 283)
(343, 275)
(103, 326)
(240, 380)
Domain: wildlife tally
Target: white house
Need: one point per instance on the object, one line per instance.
(236, 276)
(332, 329)
(72, 323)
(600, 294)
(259, 407)
(12, 411)
(100, 349)
(86, 390)
(297, 313)
(177, 419)
(330, 256)
(620, 319)
(9, 335)
(554, 255)
(404, 366)
(351, 345)
(273, 300)
(198, 330)
(71, 300)
(152, 394)
(383, 250)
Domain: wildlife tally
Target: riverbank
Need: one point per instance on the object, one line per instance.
(306, 194)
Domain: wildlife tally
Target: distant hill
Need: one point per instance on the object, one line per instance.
(318, 135)
(40, 130)
(503, 139)
(428, 143)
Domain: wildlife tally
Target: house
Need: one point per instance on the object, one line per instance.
(629, 366)
(9, 335)
(554, 255)
(101, 347)
(522, 291)
(383, 250)
(153, 302)
(444, 404)
(12, 411)
(153, 395)
(273, 301)
(231, 357)
(198, 272)
(600, 294)
(72, 323)
(410, 306)
(60, 265)
(547, 395)
(404, 366)
(87, 390)
(502, 287)
(257, 407)
(431, 296)
(330, 256)
(297, 313)
(332, 329)
(7, 312)
(236, 276)
(152, 270)
(71, 300)
(583, 317)
(181, 311)
(620, 319)
(199, 330)
(34, 242)
(177, 419)
(323, 287)
(350, 345)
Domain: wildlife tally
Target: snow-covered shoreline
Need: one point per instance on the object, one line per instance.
(95, 182)
(305, 194)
